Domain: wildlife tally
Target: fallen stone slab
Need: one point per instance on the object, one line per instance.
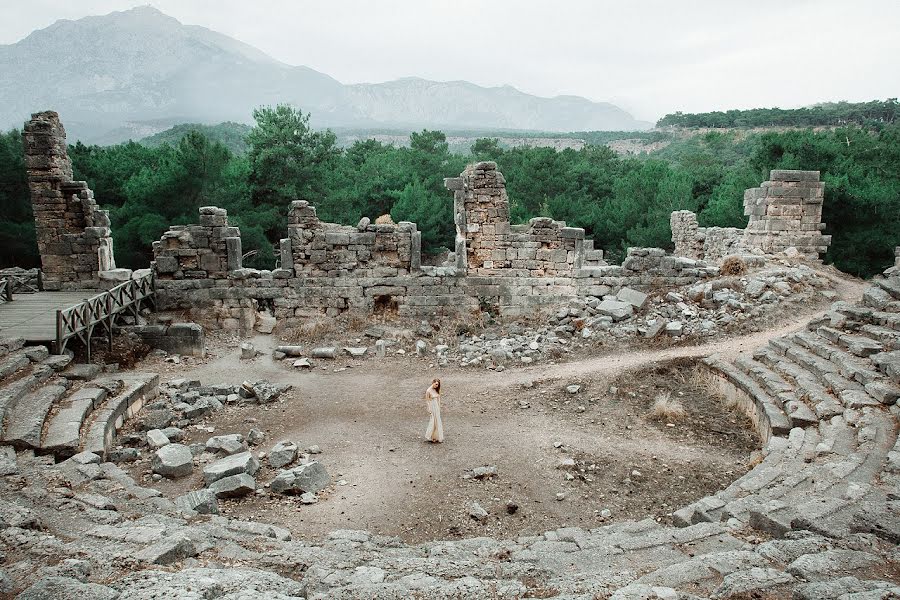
(751, 580)
(243, 462)
(167, 551)
(201, 407)
(233, 486)
(484, 472)
(81, 372)
(356, 351)
(264, 391)
(308, 478)
(633, 297)
(157, 439)
(228, 444)
(173, 461)
(615, 309)
(282, 454)
(201, 501)
(882, 520)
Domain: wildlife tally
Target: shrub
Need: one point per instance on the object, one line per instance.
(733, 266)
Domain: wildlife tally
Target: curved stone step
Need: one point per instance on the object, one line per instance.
(13, 362)
(887, 336)
(849, 352)
(807, 386)
(109, 418)
(10, 344)
(889, 364)
(25, 422)
(780, 390)
(63, 436)
(768, 418)
(13, 392)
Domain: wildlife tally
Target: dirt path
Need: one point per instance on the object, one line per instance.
(230, 367)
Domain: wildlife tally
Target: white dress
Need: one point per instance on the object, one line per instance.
(435, 431)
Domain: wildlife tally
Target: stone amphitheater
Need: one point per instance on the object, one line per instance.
(817, 516)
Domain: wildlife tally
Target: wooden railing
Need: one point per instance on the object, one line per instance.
(81, 320)
(5, 291)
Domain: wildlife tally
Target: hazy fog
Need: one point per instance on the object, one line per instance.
(649, 57)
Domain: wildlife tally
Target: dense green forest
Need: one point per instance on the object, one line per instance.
(620, 201)
(831, 114)
(232, 135)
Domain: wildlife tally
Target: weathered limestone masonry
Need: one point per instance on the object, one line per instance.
(784, 212)
(209, 250)
(73, 235)
(703, 243)
(327, 249)
(328, 269)
(486, 243)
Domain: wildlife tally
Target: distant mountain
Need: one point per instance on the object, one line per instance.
(134, 73)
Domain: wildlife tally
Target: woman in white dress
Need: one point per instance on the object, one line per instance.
(435, 431)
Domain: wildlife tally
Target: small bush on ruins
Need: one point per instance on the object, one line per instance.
(733, 265)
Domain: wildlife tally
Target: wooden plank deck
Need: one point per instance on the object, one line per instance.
(33, 316)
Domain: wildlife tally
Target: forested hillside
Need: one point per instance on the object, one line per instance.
(620, 201)
(829, 114)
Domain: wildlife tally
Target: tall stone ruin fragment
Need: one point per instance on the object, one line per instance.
(487, 244)
(786, 212)
(73, 234)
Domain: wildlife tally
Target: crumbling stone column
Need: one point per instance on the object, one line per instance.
(457, 186)
(684, 234)
(786, 212)
(486, 208)
(73, 234)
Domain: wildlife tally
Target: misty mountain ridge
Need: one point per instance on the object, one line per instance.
(134, 73)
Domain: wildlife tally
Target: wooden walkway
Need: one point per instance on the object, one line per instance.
(33, 316)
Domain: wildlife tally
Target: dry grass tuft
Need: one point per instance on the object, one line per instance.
(733, 266)
(666, 409)
(312, 330)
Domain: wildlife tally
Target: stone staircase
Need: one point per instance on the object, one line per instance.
(825, 400)
(54, 407)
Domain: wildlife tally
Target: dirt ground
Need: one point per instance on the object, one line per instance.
(369, 419)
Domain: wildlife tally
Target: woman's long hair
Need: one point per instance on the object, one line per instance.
(437, 381)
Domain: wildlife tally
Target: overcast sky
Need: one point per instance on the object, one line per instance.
(649, 57)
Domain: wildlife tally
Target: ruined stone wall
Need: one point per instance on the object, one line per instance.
(897, 256)
(73, 234)
(704, 243)
(786, 212)
(329, 269)
(209, 250)
(328, 249)
(486, 243)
